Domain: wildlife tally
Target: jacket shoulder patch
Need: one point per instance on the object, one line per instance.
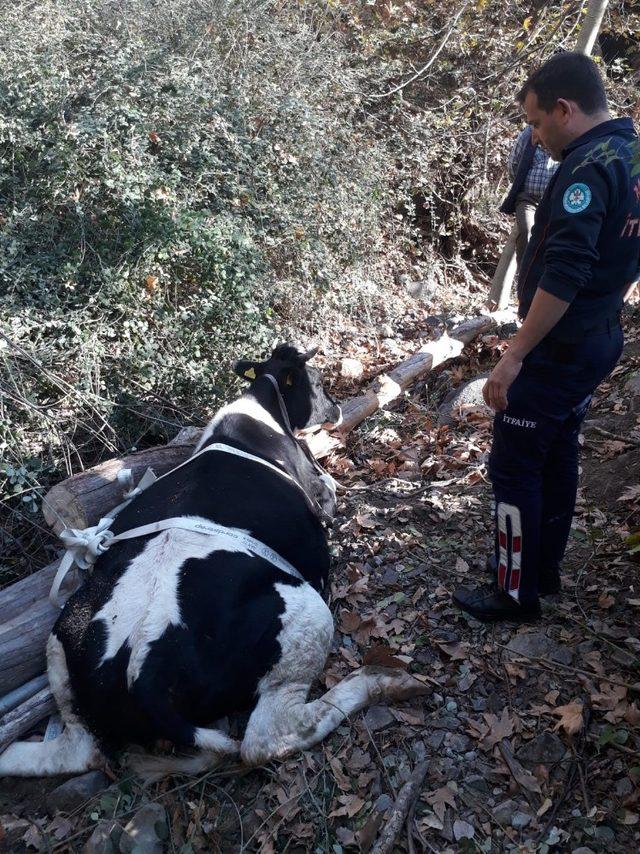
(576, 198)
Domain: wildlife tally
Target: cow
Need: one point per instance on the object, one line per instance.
(217, 612)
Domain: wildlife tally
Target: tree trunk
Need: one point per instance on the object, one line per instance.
(591, 26)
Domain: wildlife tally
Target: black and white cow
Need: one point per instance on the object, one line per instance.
(178, 628)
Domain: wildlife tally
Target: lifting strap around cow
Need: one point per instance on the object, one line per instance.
(84, 546)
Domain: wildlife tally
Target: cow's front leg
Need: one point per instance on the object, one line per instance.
(283, 722)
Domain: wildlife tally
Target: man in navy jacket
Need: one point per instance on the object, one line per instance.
(583, 255)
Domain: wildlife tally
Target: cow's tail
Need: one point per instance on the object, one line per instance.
(213, 747)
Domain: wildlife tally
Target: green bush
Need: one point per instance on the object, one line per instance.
(181, 183)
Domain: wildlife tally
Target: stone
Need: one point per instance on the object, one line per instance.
(479, 704)
(604, 833)
(104, 839)
(457, 742)
(538, 645)
(519, 820)
(74, 792)
(435, 739)
(503, 812)
(378, 717)
(383, 803)
(467, 395)
(477, 782)
(624, 787)
(544, 748)
(146, 832)
(351, 369)
(187, 436)
(583, 850)
(632, 387)
(463, 830)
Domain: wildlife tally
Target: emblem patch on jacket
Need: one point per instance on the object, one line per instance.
(576, 198)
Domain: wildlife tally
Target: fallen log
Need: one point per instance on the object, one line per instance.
(25, 716)
(387, 387)
(26, 618)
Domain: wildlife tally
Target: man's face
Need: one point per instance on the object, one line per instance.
(550, 130)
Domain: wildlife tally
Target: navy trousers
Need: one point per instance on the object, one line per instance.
(533, 464)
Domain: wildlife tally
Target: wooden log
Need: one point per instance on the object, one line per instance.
(24, 717)
(17, 597)
(23, 644)
(83, 499)
(387, 387)
(20, 695)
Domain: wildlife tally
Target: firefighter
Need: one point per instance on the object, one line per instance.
(583, 255)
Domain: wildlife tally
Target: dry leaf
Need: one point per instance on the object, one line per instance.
(499, 728)
(605, 600)
(570, 717)
(349, 621)
(382, 656)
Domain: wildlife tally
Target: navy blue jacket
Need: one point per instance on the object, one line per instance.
(585, 243)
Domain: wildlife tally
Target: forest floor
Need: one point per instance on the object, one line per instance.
(531, 733)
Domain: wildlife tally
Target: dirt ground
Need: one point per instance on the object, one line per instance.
(530, 733)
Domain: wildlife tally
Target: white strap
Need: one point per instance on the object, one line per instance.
(204, 526)
(86, 545)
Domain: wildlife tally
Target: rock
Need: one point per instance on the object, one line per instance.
(457, 742)
(386, 330)
(479, 704)
(146, 832)
(583, 850)
(351, 369)
(463, 830)
(378, 717)
(544, 748)
(624, 787)
(435, 739)
(477, 782)
(104, 839)
(383, 803)
(538, 645)
(503, 812)
(469, 394)
(605, 834)
(72, 793)
(520, 820)
(632, 388)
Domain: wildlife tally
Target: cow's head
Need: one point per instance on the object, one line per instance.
(307, 403)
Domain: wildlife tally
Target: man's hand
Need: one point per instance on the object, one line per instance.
(500, 379)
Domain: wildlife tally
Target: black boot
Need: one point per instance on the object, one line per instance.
(490, 604)
(548, 585)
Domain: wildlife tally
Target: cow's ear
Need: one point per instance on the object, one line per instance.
(248, 370)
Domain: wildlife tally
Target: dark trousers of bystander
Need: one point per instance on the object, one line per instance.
(533, 464)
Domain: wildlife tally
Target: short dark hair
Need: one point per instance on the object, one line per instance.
(568, 75)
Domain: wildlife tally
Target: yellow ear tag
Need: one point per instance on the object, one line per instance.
(250, 374)
(289, 379)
